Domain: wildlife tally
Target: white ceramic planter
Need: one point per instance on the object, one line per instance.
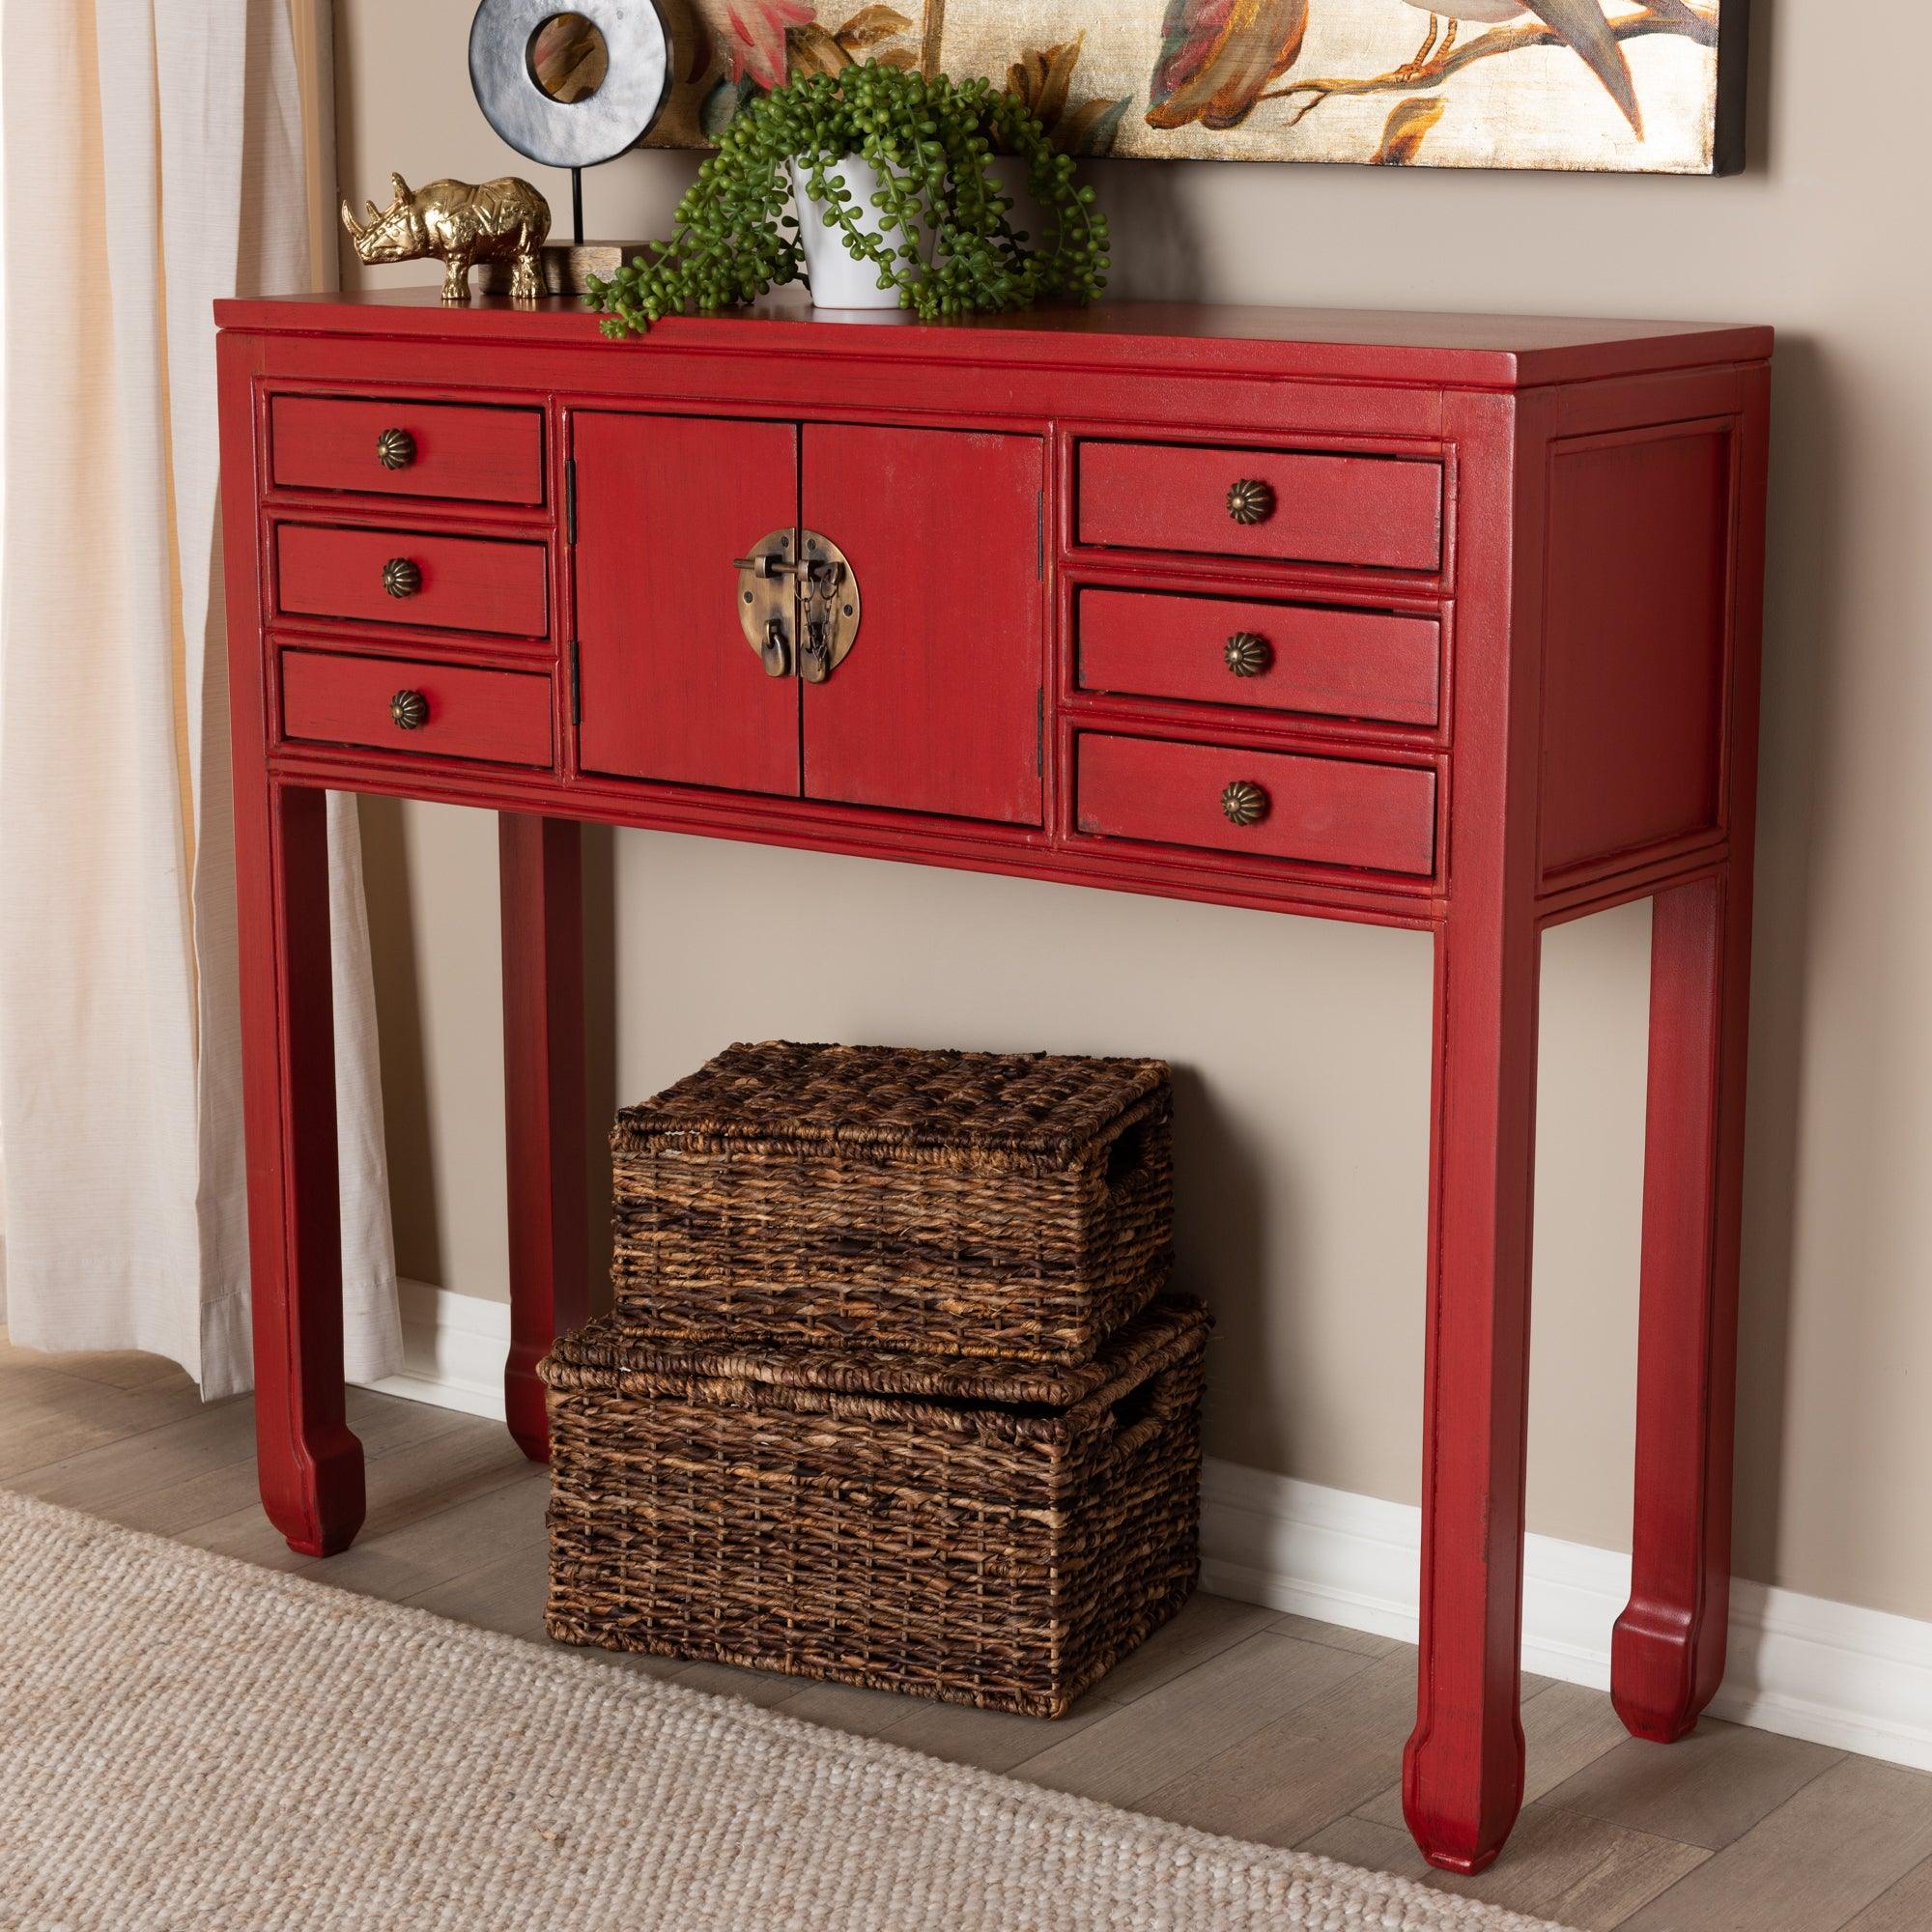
(838, 280)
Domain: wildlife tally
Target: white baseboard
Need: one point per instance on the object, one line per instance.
(1832, 1673)
(453, 1349)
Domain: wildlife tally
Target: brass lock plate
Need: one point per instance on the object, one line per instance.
(768, 602)
(800, 610)
(829, 607)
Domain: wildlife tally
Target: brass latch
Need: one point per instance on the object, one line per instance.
(800, 614)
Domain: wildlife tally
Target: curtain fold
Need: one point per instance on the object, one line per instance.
(155, 159)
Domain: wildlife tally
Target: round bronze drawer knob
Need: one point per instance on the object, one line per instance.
(409, 710)
(1251, 501)
(395, 449)
(1245, 804)
(401, 577)
(1248, 654)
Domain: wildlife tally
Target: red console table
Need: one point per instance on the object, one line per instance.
(1440, 622)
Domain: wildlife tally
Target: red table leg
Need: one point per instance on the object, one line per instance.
(543, 1081)
(1667, 1656)
(1463, 1769)
(310, 1464)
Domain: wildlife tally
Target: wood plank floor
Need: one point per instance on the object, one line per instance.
(1234, 1718)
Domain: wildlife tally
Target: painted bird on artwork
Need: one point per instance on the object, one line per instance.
(1578, 23)
(1219, 56)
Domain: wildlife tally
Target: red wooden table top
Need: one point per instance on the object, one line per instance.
(1363, 345)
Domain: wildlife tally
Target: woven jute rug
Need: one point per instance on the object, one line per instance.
(185, 1740)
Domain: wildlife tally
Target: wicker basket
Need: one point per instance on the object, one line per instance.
(1017, 1207)
(986, 1533)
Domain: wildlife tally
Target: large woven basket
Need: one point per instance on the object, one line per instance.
(1018, 1207)
(986, 1533)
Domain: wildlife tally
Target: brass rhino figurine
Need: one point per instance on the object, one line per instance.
(458, 224)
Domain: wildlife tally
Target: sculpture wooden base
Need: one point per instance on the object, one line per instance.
(564, 268)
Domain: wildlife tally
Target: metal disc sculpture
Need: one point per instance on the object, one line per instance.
(570, 88)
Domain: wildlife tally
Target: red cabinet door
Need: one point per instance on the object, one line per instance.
(670, 688)
(937, 707)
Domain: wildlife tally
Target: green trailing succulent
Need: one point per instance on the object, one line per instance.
(947, 244)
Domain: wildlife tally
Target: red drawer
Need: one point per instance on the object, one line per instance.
(1326, 812)
(1280, 657)
(1379, 511)
(411, 576)
(500, 716)
(407, 449)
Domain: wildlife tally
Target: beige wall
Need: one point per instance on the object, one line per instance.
(1302, 1045)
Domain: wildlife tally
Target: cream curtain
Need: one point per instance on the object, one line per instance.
(156, 157)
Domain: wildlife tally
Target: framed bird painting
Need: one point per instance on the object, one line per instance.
(1617, 86)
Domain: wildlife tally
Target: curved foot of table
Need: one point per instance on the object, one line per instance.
(1460, 1814)
(1657, 1685)
(523, 1399)
(314, 1492)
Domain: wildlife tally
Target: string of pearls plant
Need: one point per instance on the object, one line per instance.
(944, 239)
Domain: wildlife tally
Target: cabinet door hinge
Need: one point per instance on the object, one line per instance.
(575, 684)
(569, 499)
(1039, 732)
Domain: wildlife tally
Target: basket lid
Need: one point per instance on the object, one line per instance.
(603, 1354)
(1036, 1107)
